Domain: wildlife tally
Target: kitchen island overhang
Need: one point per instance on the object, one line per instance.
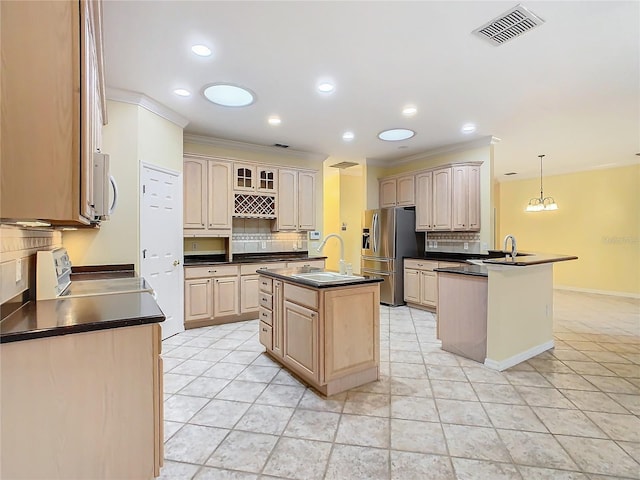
(326, 333)
(517, 310)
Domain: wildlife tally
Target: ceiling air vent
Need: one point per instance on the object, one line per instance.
(510, 173)
(344, 165)
(280, 145)
(508, 26)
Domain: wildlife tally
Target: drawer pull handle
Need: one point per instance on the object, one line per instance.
(264, 314)
(212, 271)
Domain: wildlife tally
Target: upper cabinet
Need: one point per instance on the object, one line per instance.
(397, 191)
(207, 197)
(255, 178)
(296, 200)
(466, 197)
(53, 109)
(448, 198)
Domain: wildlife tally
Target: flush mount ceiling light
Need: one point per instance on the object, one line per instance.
(396, 134)
(468, 128)
(409, 111)
(182, 92)
(274, 120)
(326, 87)
(348, 136)
(201, 50)
(228, 95)
(542, 203)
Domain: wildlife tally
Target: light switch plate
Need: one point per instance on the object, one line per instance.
(314, 235)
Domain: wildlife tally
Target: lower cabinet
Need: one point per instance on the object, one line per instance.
(329, 337)
(421, 282)
(249, 293)
(225, 296)
(83, 405)
(198, 299)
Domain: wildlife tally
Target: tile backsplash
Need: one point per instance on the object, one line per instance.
(253, 235)
(462, 242)
(18, 249)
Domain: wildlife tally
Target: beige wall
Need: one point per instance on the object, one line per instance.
(598, 220)
(132, 135)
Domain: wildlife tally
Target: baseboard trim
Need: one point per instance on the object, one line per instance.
(519, 358)
(597, 292)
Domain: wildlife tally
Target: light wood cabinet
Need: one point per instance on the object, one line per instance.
(397, 191)
(448, 199)
(433, 200)
(300, 345)
(411, 285)
(207, 197)
(53, 109)
(296, 200)
(420, 282)
(225, 296)
(198, 299)
(84, 405)
(442, 199)
(329, 337)
(249, 293)
(466, 197)
(306, 263)
(424, 201)
(249, 177)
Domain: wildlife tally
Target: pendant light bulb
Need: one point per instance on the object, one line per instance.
(541, 203)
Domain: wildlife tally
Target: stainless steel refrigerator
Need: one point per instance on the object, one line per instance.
(388, 235)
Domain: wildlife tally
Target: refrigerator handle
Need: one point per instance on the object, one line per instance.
(375, 233)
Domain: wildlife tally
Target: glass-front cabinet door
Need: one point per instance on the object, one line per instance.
(244, 177)
(267, 179)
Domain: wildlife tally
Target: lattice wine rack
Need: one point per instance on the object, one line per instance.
(254, 206)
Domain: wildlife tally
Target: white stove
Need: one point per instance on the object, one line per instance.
(53, 279)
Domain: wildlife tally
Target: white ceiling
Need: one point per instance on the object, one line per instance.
(569, 89)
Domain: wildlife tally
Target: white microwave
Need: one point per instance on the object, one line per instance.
(103, 182)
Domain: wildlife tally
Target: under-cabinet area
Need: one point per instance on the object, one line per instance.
(328, 336)
(421, 282)
(228, 292)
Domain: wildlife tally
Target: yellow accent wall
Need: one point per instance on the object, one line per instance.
(598, 220)
(133, 135)
(331, 216)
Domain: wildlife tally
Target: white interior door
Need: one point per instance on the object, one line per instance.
(161, 242)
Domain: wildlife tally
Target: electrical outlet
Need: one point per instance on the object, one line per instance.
(435, 244)
(466, 245)
(263, 245)
(295, 245)
(194, 246)
(18, 270)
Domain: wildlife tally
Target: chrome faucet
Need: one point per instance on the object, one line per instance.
(341, 263)
(514, 250)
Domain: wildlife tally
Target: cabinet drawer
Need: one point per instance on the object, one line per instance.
(420, 264)
(266, 316)
(249, 268)
(301, 296)
(306, 263)
(266, 336)
(450, 264)
(265, 300)
(265, 284)
(211, 271)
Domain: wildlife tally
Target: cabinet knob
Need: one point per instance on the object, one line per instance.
(264, 314)
(264, 329)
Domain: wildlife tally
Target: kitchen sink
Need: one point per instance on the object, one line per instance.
(326, 277)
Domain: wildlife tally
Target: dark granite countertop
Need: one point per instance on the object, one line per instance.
(48, 318)
(497, 257)
(195, 260)
(287, 274)
(475, 270)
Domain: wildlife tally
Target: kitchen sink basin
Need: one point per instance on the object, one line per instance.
(326, 277)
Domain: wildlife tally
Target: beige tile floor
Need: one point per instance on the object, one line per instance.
(568, 414)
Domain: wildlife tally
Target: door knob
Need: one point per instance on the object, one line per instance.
(176, 263)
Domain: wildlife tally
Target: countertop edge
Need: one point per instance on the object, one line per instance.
(281, 275)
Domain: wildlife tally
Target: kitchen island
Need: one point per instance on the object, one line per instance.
(507, 315)
(322, 326)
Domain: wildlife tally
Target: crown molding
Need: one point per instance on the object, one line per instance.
(453, 147)
(140, 99)
(235, 145)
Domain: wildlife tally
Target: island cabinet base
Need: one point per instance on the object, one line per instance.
(328, 337)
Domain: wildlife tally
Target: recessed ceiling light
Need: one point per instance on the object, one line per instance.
(274, 120)
(229, 95)
(348, 136)
(182, 92)
(396, 134)
(409, 111)
(468, 128)
(201, 50)
(326, 87)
